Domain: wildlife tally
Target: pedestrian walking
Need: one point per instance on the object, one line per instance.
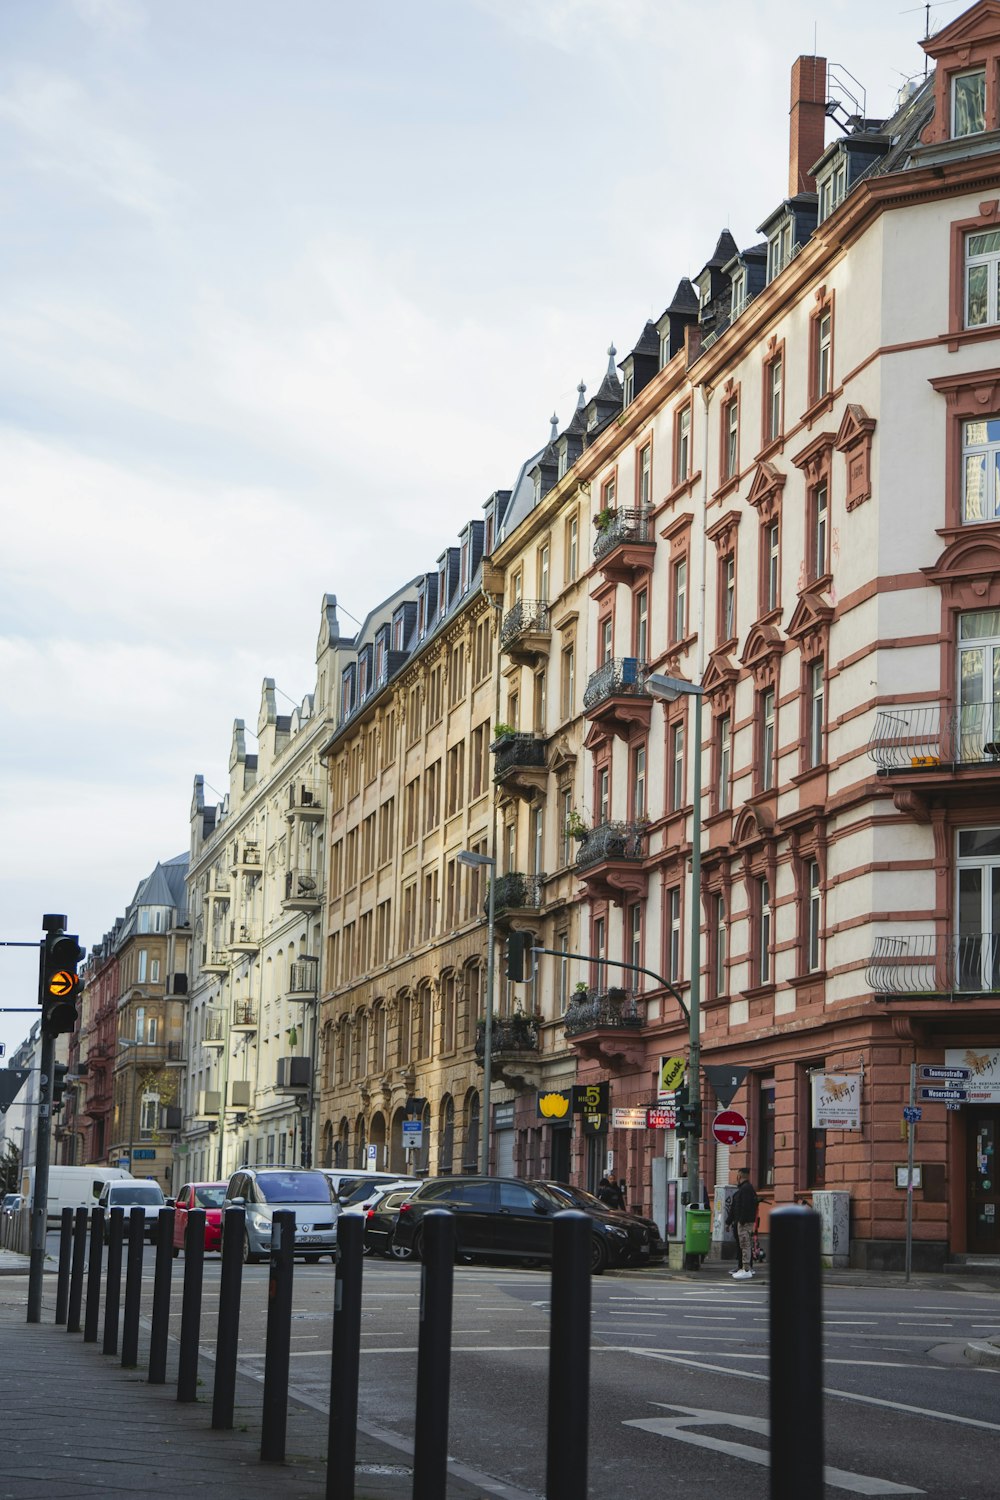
(742, 1215)
(610, 1192)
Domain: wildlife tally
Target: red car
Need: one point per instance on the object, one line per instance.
(206, 1195)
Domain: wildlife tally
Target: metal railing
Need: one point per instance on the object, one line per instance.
(624, 526)
(932, 735)
(303, 977)
(244, 935)
(612, 841)
(528, 617)
(518, 750)
(215, 1029)
(302, 885)
(515, 892)
(244, 1013)
(619, 676)
(509, 1034)
(602, 1009)
(928, 963)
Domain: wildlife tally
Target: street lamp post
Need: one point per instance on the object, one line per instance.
(670, 689)
(481, 861)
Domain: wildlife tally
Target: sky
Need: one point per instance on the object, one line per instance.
(287, 289)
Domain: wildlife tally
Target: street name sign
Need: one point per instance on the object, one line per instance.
(931, 1071)
(940, 1096)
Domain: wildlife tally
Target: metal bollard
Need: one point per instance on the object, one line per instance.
(159, 1330)
(796, 1333)
(133, 1287)
(227, 1338)
(113, 1285)
(345, 1359)
(569, 1357)
(94, 1267)
(437, 1275)
(76, 1274)
(274, 1414)
(194, 1266)
(65, 1256)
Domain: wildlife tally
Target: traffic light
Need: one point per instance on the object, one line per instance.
(689, 1120)
(519, 944)
(60, 982)
(59, 1071)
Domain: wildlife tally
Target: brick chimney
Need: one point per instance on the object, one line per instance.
(807, 122)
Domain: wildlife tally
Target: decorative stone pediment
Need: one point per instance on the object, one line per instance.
(972, 40)
(810, 620)
(763, 648)
(754, 822)
(814, 458)
(720, 674)
(854, 441)
(723, 533)
(968, 570)
(765, 491)
(560, 755)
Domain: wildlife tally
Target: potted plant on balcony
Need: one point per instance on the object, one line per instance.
(604, 519)
(576, 828)
(501, 733)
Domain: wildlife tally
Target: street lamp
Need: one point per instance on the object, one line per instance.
(669, 689)
(481, 861)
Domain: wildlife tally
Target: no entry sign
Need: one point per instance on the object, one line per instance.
(729, 1127)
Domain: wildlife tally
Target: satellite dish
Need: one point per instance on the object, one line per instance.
(306, 883)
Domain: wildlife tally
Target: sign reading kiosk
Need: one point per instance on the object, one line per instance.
(836, 1101)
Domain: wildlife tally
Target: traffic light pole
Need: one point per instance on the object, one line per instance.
(43, 1136)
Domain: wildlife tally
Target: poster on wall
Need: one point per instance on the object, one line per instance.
(836, 1101)
(983, 1084)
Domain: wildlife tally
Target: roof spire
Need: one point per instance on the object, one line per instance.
(581, 394)
(555, 428)
(612, 351)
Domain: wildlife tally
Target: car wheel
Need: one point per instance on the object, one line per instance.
(249, 1259)
(398, 1252)
(418, 1245)
(598, 1256)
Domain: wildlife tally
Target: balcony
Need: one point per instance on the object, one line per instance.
(305, 800)
(519, 765)
(610, 862)
(605, 1025)
(175, 1052)
(931, 748)
(247, 860)
(516, 896)
(214, 1034)
(525, 631)
(616, 701)
(216, 961)
(303, 979)
(244, 937)
(244, 1015)
(933, 964)
(302, 892)
(625, 544)
(219, 889)
(515, 1050)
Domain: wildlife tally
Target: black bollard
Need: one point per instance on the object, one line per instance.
(95, 1264)
(274, 1413)
(437, 1275)
(133, 1287)
(194, 1266)
(65, 1256)
(796, 1354)
(76, 1274)
(227, 1338)
(162, 1267)
(569, 1357)
(113, 1285)
(345, 1359)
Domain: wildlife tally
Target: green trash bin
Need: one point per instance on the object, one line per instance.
(698, 1231)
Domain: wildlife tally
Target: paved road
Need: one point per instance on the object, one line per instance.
(679, 1377)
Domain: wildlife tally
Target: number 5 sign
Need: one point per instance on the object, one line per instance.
(591, 1098)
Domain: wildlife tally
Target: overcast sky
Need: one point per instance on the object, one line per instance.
(287, 288)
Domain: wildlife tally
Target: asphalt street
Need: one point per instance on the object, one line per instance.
(678, 1377)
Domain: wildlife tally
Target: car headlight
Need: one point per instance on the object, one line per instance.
(260, 1223)
(619, 1233)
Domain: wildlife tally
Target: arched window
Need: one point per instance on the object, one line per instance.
(473, 1003)
(344, 1051)
(449, 991)
(405, 1003)
(446, 1150)
(361, 1044)
(328, 1144)
(472, 1152)
(381, 1036)
(361, 1143)
(426, 1004)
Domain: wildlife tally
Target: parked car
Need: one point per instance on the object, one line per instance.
(304, 1190)
(380, 1223)
(645, 1241)
(365, 1193)
(506, 1217)
(11, 1204)
(129, 1193)
(206, 1195)
(346, 1181)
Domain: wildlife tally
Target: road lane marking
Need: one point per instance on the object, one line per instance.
(679, 1428)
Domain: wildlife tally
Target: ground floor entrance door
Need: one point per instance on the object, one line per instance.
(983, 1182)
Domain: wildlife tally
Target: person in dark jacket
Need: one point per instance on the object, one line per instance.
(610, 1192)
(742, 1216)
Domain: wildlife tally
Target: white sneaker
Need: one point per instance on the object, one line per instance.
(742, 1275)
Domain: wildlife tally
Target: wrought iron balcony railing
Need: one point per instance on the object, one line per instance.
(245, 1013)
(607, 1009)
(516, 892)
(612, 841)
(924, 737)
(527, 617)
(215, 1028)
(620, 675)
(508, 1034)
(518, 750)
(928, 963)
(624, 526)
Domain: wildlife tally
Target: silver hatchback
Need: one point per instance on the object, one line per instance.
(261, 1191)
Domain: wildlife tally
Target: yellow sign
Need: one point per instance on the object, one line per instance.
(671, 1074)
(63, 983)
(553, 1106)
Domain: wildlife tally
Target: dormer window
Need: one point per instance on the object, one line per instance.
(563, 458)
(833, 189)
(779, 250)
(629, 388)
(442, 592)
(421, 614)
(739, 293)
(968, 103)
(463, 582)
(397, 633)
(664, 350)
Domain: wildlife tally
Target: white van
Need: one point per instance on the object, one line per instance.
(71, 1187)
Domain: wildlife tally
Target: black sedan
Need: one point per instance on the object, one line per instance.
(508, 1218)
(645, 1241)
(380, 1224)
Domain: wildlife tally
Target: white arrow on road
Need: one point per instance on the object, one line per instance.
(680, 1427)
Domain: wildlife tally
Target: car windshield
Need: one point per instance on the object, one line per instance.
(209, 1197)
(359, 1193)
(294, 1187)
(580, 1196)
(134, 1195)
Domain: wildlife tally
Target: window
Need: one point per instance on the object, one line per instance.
(770, 567)
(154, 971)
(609, 493)
(386, 831)
(539, 701)
(543, 573)
(817, 712)
(456, 674)
(456, 778)
(644, 476)
(766, 738)
(765, 1134)
(435, 696)
(977, 904)
(479, 760)
(819, 531)
(982, 278)
(639, 783)
(682, 449)
(432, 796)
(633, 930)
(813, 916)
(762, 930)
(779, 250)
(430, 913)
(968, 103)
(730, 438)
(482, 649)
(673, 930)
(739, 293)
(773, 407)
(823, 355)
(833, 189)
(536, 832)
(606, 637)
(723, 753)
(598, 947)
(603, 799)
(719, 950)
(978, 683)
(142, 959)
(149, 1115)
(678, 600)
(980, 465)
(562, 943)
(676, 766)
(449, 1012)
(727, 597)
(565, 813)
(411, 804)
(567, 694)
(572, 548)
(640, 625)
(152, 1031)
